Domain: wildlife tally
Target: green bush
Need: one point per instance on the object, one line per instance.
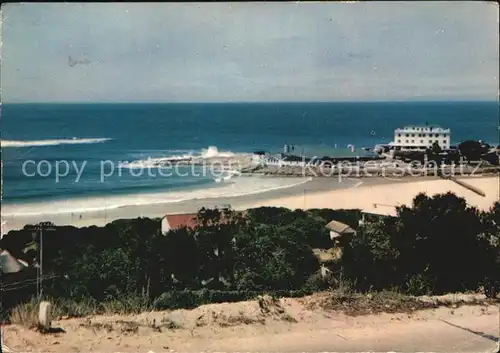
(418, 285)
(129, 266)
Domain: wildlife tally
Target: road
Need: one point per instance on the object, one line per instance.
(452, 335)
(463, 329)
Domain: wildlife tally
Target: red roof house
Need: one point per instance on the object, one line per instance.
(175, 221)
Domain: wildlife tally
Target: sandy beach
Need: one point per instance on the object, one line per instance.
(377, 195)
(382, 197)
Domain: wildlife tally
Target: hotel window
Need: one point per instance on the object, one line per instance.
(436, 135)
(406, 141)
(399, 141)
(412, 135)
(412, 141)
(421, 141)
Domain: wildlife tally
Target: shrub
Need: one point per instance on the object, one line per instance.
(418, 285)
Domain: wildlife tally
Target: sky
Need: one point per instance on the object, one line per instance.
(218, 52)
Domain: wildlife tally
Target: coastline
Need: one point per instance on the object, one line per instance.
(316, 193)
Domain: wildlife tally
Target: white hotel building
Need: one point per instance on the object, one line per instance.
(420, 138)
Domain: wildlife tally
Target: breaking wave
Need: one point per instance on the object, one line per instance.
(55, 142)
(210, 152)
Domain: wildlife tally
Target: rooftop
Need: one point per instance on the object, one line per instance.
(423, 125)
(433, 127)
(340, 228)
(181, 220)
(9, 264)
(186, 220)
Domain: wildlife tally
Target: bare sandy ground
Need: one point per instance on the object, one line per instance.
(288, 325)
(384, 197)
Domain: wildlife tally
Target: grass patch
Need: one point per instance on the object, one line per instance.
(342, 298)
(356, 304)
(25, 314)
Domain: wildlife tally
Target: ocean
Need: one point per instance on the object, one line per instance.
(87, 135)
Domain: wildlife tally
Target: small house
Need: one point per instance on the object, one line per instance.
(176, 221)
(9, 264)
(339, 232)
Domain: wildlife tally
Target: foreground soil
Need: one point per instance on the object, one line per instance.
(452, 323)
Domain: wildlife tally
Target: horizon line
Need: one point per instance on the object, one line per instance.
(261, 102)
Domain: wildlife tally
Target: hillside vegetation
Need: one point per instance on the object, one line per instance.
(438, 244)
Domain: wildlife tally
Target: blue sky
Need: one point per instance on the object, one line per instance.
(249, 51)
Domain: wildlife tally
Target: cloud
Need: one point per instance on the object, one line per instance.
(249, 51)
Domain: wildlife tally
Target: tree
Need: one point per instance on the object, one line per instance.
(102, 275)
(270, 215)
(492, 158)
(272, 257)
(180, 258)
(313, 231)
(138, 236)
(435, 148)
(438, 241)
(370, 258)
(472, 150)
(439, 237)
(491, 221)
(207, 217)
(214, 237)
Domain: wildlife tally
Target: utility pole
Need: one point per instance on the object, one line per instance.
(40, 227)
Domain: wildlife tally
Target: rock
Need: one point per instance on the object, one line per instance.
(44, 315)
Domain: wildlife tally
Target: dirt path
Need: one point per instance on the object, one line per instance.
(289, 325)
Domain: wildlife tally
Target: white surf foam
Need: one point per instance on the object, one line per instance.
(229, 174)
(153, 162)
(213, 152)
(55, 142)
(239, 187)
(208, 153)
